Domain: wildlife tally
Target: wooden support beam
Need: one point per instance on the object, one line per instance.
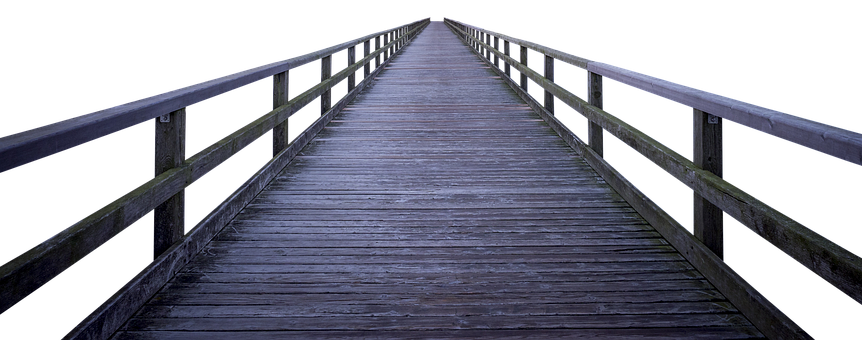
(549, 75)
(170, 153)
(496, 47)
(366, 47)
(524, 62)
(708, 156)
(386, 51)
(280, 139)
(325, 73)
(351, 59)
(392, 38)
(507, 50)
(377, 47)
(487, 50)
(594, 89)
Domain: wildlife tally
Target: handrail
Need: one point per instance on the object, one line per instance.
(834, 141)
(835, 264)
(29, 271)
(31, 145)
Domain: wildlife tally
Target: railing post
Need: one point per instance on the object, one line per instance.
(325, 73)
(385, 51)
(506, 66)
(482, 39)
(391, 39)
(376, 47)
(524, 62)
(351, 59)
(496, 47)
(366, 48)
(549, 75)
(170, 153)
(594, 131)
(487, 50)
(493, 45)
(708, 219)
(280, 139)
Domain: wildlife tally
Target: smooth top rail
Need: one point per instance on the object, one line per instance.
(28, 146)
(834, 141)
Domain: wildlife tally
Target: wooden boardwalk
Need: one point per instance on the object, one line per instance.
(438, 205)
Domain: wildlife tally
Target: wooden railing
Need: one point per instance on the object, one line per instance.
(713, 195)
(174, 172)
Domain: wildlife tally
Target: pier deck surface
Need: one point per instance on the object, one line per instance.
(438, 205)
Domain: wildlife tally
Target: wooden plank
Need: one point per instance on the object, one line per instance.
(384, 323)
(227, 250)
(481, 334)
(537, 297)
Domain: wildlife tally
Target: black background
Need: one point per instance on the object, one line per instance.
(794, 60)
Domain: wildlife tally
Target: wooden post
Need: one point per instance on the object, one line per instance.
(524, 62)
(594, 87)
(366, 48)
(351, 59)
(506, 66)
(280, 139)
(488, 50)
(493, 45)
(382, 53)
(482, 39)
(325, 73)
(549, 75)
(392, 38)
(496, 47)
(377, 47)
(385, 51)
(708, 219)
(170, 153)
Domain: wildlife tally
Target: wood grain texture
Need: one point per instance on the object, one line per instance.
(447, 224)
(708, 218)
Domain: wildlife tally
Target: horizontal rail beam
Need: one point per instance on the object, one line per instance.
(833, 141)
(28, 146)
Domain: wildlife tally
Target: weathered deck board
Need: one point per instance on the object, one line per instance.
(437, 205)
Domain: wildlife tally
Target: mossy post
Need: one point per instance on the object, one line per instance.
(523, 62)
(708, 218)
(170, 153)
(280, 139)
(594, 130)
(549, 75)
(351, 59)
(366, 49)
(506, 67)
(325, 73)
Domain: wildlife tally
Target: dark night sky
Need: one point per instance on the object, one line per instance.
(778, 58)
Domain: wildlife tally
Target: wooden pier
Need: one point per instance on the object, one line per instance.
(436, 200)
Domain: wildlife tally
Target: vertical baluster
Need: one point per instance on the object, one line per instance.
(708, 219)
(169, 216)
(493, 44)
(391, 39)
(376, 47)
(487, 50)
(482, 39)
(524, 62)
(594, 131)
(366, 49)
(549, 75)
(506, 66)
(385, 51)
(280, 139)
(351, 59)
(325, 73)
(496, 47)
